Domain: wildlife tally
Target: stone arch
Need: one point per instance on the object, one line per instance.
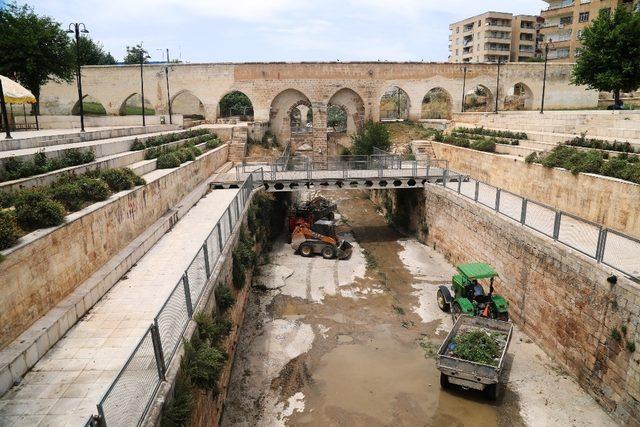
(281, 109)
(236, 103)
(395, 104)
(92, 107)
(132, 106)
(437, 104)
(189, 105)
(478, 98)
(352, 104)
(519, 97)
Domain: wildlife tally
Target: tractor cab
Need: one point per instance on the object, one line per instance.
(470, 296)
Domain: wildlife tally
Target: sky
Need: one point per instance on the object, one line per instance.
(277, 30)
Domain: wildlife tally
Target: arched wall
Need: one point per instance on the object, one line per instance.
(281, 108)
(186, 103)
(353, 104)
(448, 109)
(261, 82)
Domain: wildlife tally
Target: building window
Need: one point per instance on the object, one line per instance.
(584, 17)
(566, 20)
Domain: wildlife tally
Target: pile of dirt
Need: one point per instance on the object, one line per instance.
(402, 134)
(293, 377)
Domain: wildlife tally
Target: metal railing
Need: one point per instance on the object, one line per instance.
(606, 246)
(129, 397)
(382, 165)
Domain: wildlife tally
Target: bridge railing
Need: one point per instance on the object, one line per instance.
(129, 397)
(612, 248)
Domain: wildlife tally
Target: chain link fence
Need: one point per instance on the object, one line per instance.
(127, 400)
(610, 247)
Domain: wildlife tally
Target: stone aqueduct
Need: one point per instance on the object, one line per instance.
(275, 88)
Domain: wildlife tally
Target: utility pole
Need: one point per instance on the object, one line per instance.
(464, 85)
(548, 44)
(166, 71)
(497, 86)
(144, 122)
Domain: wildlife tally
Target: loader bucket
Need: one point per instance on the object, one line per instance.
(344, 249)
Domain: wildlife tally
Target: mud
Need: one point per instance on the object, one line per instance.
(353, 343)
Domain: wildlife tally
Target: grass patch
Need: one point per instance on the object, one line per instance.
(623, 167)
(369, 259)
(129, 110)
(399, 310)
(93, 108)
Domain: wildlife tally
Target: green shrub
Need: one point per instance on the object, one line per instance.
(137, 145)
(168, 161)
(590, 162)
(69, 194)
(631, 346)
(494, 133)
(76, 157)
(135, 179)
(119, 179)
(484, 145)
(213, 331)
(615, 335)
(9, 231)
(212, 143)
(238, 272)
(224, 298)
(34, 210)
(177, 412)
(204, 363)
(93, 190)
(531, 158)
(371, 135)
(7, 199)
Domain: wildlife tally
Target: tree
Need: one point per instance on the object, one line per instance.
(134, 54)
(371, 135)
(34, 49)
(610, 57)
(235, 103)
(91, 53)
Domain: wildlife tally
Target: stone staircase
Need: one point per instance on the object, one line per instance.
(238, 145)
(423, 150)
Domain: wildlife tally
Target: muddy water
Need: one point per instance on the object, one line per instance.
(319, 349)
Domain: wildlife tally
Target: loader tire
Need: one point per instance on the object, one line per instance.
(328, 252)
(306, 250)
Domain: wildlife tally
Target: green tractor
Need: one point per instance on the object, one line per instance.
(469, 296)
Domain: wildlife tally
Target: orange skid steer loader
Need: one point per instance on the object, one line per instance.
(319, 238)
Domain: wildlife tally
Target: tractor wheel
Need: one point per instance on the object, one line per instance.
(442, 302)
(328, 252)
(456, 311)
(444, 381)
(306, 250)
(503, 316)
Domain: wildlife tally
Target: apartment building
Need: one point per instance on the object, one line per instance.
(564, 21)
(492, 36)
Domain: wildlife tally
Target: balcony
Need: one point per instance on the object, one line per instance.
(560, 4)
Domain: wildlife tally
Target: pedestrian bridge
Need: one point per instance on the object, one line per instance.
(335, 173)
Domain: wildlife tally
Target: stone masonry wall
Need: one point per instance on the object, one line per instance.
(38, 274)
(608, 201)
(559, 297)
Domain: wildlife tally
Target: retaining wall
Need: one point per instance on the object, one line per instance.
(559, 297)
(49, 264)
(73, 122)
(608, 201)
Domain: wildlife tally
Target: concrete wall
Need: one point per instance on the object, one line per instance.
(559, 297)
(608, 201)
(73, 122)
(49, 264)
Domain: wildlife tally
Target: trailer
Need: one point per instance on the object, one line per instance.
(472, 375)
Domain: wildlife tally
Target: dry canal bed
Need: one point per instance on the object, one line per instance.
(352, 342)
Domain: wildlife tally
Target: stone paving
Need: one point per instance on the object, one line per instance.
(52, 132)
(64, 387)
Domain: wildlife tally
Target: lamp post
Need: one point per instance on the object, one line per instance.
(77, 28)
(143, 56)
(5, 118)
(498, 86)
(548, 45)
(166, 72)
(464, 85)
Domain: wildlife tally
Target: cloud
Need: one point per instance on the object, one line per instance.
(260, 30)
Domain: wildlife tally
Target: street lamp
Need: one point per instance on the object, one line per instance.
(548, 45)
(464, 85)
(143, 56)
(498, 85)
(77, 28)
(166, 71)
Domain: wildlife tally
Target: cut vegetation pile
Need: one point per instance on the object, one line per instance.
(478, 346)
(41, 207)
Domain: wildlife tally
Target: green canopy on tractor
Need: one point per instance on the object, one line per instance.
(477, 270)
